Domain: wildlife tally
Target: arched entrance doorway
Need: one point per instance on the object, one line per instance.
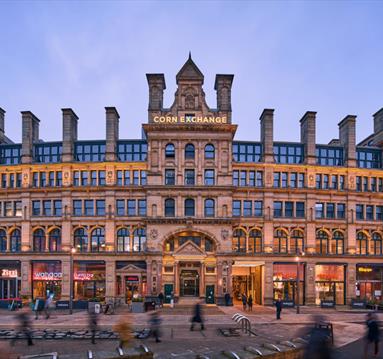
(189, 283)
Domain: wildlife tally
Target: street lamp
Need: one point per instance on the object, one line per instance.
(72, 251)
(297, 259)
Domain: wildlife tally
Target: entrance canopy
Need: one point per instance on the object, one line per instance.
(248, 263)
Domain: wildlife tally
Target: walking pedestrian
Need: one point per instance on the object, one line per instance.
(372, 335)
(278, 306)
(319, 345)
(124, 330)
(93, 324)
(38, 307)
(244, 301)
(24, 327)
(161, 299)
(155, 325)
(250, 303)
(47, 306)
(197, 317)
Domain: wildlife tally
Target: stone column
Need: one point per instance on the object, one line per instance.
(26, 278)
(268, 289)
(112, 124)
(219, 279)
(25, 236)
(30, 135)
(267, 119)
(350, 282)
(347, 139)
(230, 278)
(110, 236)
(66, 236)
(66, 279)
(159, 277)
(70, 121)
(310, 283)
(176, 279)
(149, 276)
(110, 279)
(202, 280)
(308, 136)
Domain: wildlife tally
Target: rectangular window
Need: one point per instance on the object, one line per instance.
(236, 178)
(189, 177)
(318, 181)
(84, 178)
(59, 179)
(120, 178)
(340, 211)
(341, 183)
(259, 179)
(243, 181)
(8, 209)
(277, 209)
(17, 208)
(143, 178)
(36, 208)
(301, 180)
(325, 181)
(11, 180)
(142, 207)
(236, 208)
(258, 211)
(373, 184)
(100, 207)
(209, 177)
(18, 180)
(252, 178)
(57, 208)
(77, 207)
(365, 184)
(293, 180)
(47, 208)
(369, 213)
(379, 213)
(277, 176)
(3, 180)
(93, 178)
(284, 180)
(35, 179)
(89, 207)
(330, 210)
(334, 181)
(101, 178)
(43, 179)
(247, 208)
(319, 212)
(120, 207)
(359, 183)
(127, 181)
(51, 179)
(359, 211)
(136, 178)
(170, 178)
(132, 207)
(76, 178)
(380, 184)
(300, 209)
(289, 209)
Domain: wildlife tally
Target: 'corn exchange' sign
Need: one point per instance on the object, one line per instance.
(189, 119)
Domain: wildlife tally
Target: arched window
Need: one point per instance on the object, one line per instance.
(361, 243)
(189, 207)
(209, 151)
(376, 244)
(337, 243)
(280, 241)
(98, 240)
(169, 245)
(123, 240)
(16, 240)
(39, 240)
(239, 240)
(322, 242)
(139, 240)
(170, 207)
(3, 240)
(189, 151)
(55, 240)
(81, 240)
(170, 151)
(255, 241)
(296, 242)
(209, 245)
(209, 207)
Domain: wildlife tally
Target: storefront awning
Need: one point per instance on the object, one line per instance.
(248, 263)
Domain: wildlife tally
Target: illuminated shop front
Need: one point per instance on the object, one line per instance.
(330, 283)
(89, 280)
(369, 281)
(131, 279)
(10, 279)
(46, 279)
(285, 282)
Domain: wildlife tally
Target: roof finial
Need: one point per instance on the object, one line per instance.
(189, 55)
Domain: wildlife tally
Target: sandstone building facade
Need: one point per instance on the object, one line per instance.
(189, 210)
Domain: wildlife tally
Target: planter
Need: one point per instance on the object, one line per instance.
(62, 304)
(80, 304)
(327, 304)
(358, 304)
(138, 307)
(94, 307)
(5, 303)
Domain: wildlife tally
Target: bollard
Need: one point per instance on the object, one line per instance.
(254, 351)
(120, 352)
(90, 354)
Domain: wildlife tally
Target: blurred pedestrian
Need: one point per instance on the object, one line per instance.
(161, 299)
(250, 303)
(93, 324)
(278, 306)
(227, 299)
(244, 301)
(197, 317)
(47, 306)
(124, 330)
(24, 327)
(38, 307)
(319, 345)
(372, 335)
(155, 325)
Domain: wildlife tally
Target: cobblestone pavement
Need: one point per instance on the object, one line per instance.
(178, 341)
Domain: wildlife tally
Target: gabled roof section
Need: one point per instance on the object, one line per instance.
(189, 71)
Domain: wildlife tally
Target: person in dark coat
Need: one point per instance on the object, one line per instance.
(161, 299)
(372, 335)
(227, 299)
(319, 345)
(155, 325)
(244, 301)
(24, 327)
(278, 306)
(197, 317)
(250, 303)
(93, 321)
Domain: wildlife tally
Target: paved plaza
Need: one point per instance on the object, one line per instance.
(177, 339)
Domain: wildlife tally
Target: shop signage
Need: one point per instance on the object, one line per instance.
(62, 304)
(378, 293)
(288, 303)
(9, 273)
(83, 276)
(47, 276)
(364, 269)
(327, 304)
(132, 278)
(190, 119)
(358, 304)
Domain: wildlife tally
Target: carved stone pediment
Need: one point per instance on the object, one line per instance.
(189, 248)
(131, 268)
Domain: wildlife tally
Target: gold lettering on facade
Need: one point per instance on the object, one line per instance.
(190, 119)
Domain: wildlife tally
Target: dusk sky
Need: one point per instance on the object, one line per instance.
(290, 56)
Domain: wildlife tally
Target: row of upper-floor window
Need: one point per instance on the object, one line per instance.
(189, 207)
(93, 240)
(189, 177)
(189, 151)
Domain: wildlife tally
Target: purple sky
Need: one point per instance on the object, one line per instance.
(290, 56)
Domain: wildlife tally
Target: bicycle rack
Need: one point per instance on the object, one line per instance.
(254, 351)
(244, 322)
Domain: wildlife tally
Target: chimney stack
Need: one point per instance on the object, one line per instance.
(112, 124)
(308, 136)
(2, 125)
(70, 121)
(378, 128)
(267, 138)
(30, 135)
(347, 139)
(157, 86)
(222, 86)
